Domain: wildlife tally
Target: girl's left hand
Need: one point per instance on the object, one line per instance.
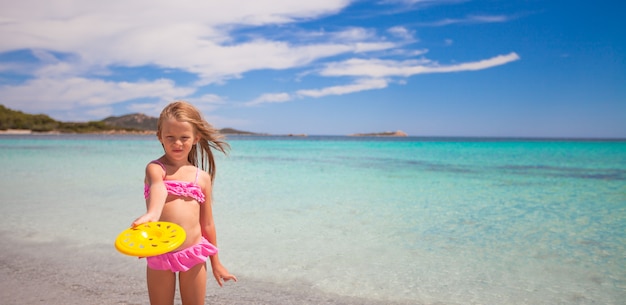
(222, 275)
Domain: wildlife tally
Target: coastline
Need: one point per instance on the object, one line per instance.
(27, 132)
(108, 132)
(228, 132)
(16, 132)
(71, 274)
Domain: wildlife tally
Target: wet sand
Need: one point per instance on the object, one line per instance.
(36, 272)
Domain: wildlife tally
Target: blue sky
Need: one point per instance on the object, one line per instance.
(427, 67)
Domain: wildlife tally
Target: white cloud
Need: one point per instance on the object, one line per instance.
(354, 34)
(74, 42)
(152, 109)
(488, 19)
(270, 98)
(15, 67)
(409, 1)
(102, 112)
(401, 32)
(359, 85)
(469, 20)
(377, 68)
(67, 93)
(213, 99)
(232, 61)
(372, 74)
(477, 65)
(205, 103)
(188, 35)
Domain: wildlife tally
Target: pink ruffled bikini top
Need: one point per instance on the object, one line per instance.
(178, 188)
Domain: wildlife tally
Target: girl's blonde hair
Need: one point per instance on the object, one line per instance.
(202, 155)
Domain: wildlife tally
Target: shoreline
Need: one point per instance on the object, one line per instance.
(27, 132)
(70, 274)
(16, 132)
(108, 132)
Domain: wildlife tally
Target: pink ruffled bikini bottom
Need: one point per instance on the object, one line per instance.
(183, 260)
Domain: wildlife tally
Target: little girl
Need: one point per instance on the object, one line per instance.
(177, 191)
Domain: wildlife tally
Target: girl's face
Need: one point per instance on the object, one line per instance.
(177, 138)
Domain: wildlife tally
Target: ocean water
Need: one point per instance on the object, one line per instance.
(429, 221)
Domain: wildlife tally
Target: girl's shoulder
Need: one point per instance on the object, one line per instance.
(202, 175)
(155, 166)
(155, 163)
(204, 180)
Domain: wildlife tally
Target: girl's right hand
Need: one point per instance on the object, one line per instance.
(144, 219)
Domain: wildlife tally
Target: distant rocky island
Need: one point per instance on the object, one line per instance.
(17, 122)
(138, 121)
(398, 133)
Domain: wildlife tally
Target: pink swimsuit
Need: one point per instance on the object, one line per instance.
(187, 258)
(179, 188)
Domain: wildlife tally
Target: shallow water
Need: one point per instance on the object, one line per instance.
(451, 221)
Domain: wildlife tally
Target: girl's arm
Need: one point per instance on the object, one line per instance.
(158, 194)
(208, 231)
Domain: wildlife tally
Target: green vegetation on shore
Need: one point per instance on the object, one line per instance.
(130, 123)
(12, 119)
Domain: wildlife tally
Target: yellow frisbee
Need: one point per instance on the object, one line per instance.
(150, 239)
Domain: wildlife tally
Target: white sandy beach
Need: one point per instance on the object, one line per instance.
(16, 131)
(57, 273)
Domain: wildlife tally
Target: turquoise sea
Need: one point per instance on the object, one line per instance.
(424, 220)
